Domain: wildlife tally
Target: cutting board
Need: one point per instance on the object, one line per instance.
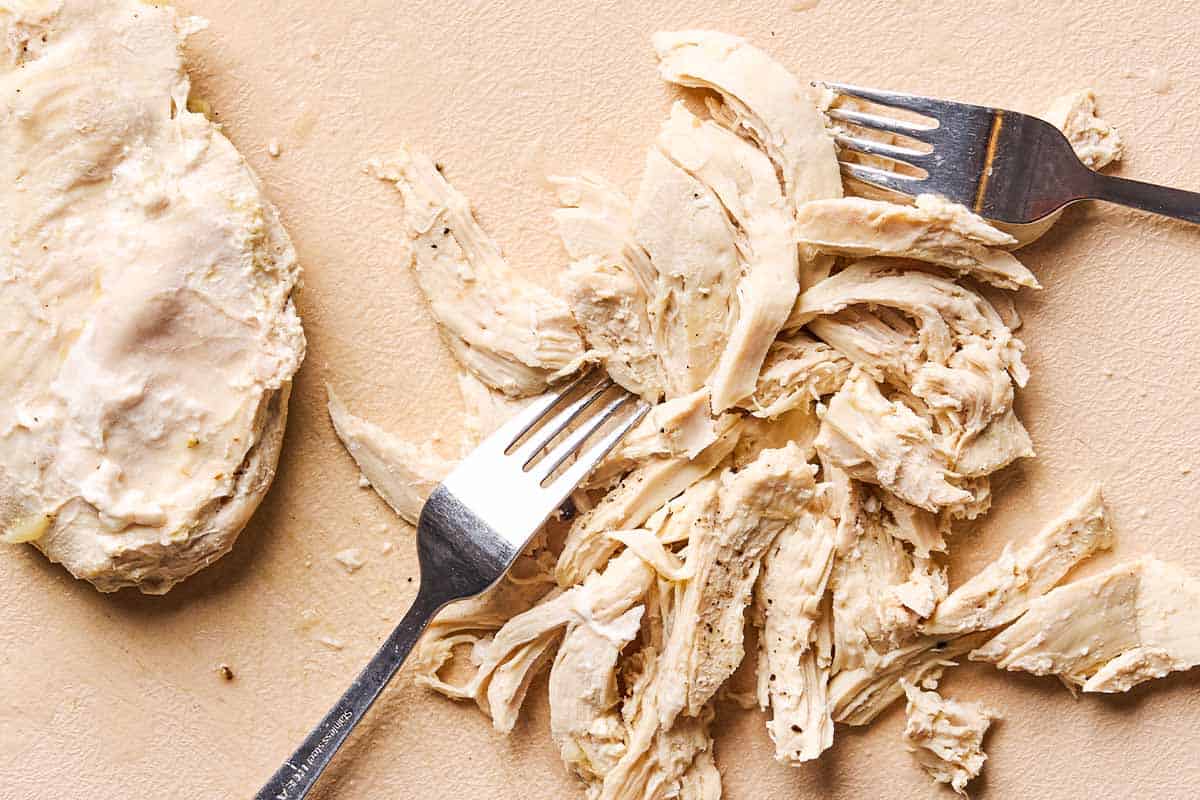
(110, 697)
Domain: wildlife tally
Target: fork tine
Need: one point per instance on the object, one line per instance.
(873, 148)
(880, 122)
(507, 434)
(565, 449)
(885, 179)
(553, 427)
(928, 106)
(587, 460)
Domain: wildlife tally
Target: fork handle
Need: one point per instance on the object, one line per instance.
(1146, 196)
(296, 777)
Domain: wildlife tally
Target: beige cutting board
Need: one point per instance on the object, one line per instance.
(114, 697)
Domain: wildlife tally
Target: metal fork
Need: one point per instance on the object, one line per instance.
(471, 530)
(1004, 165)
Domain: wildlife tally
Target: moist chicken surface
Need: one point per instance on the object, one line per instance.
(833, 381)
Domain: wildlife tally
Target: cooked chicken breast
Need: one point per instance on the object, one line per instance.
(148, 337)
(705, 644)
(513, 335)
(932, 230)
(1094, 140)
(1003, 590)
(1108, 632)
(946, 736)
(744, 180)
(693, 248)
(795, 637)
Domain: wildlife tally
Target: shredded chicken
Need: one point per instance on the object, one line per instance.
(795, 636)
(782, 114)
(1108, 632)
(611, 311)
(631, 503)
(999, 593)
(1003, 590)
(884, 442)
(932, 230)
(705, 645)
(881, 592)
(400, 472)
(714, 296)
(512, 334)
(1094, 140)
(946, 736)
(744, 180)
(797, 371)
(759, 97)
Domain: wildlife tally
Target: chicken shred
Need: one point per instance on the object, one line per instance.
(725, 552)
(1003, 590)
(400, 472)
(1108, 632)
(795, 636)
(513, 335)
(1093, 139)
(933, 230)
(744, 180)
(946, 736)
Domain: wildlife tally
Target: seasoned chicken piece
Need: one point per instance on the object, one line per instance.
(631, 503)
(933, 230)
(1108, 632)
(1094, 140)
(705, 644)
(611, 311)
(944, 311)
(584, 719)
(797, 371)
(596, 219)
(400, 472)
(781, 113)
(794, 640)
(678, 427)
(470, 625)
(969, 360)
(512, 334)
(526, 641)
(799, 426)
(660, 761)
(693, 248)
(973, 610)
(858, 696)
(1003, 590)
(946, 736)
(762, 99)
(744, 180)
(882, 342)
(883, 442)
(1001, 443)
(880, 591)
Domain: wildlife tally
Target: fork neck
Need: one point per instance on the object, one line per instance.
(1164, 200)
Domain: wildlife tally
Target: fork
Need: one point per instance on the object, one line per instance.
(471, 530)
(1004, 165)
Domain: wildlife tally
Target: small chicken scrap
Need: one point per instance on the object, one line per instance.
(946, 736)
(833, 380)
